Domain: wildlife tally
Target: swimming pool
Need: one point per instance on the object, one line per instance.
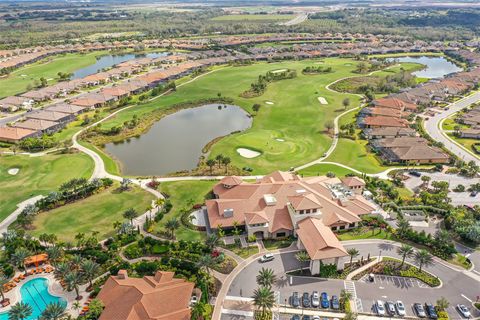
(35, 293)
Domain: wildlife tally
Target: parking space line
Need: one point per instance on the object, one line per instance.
(469, 300)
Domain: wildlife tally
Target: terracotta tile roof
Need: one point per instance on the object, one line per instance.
(149, 298)
(48, 115)
(304, 202)
(231, 181)
(36, 124)
(353, 182)
(390, 102)
(382, 121)
(115, 91)
(319, 241)
(14, 134)
(65, 108)
(256, 217)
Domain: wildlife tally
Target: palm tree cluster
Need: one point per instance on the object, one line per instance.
(263, 296)
(219, 160)
(76, 271)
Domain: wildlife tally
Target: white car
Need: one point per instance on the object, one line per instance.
(380, 307)
(315, 299)
(267, 257)
(464, 311)
(400, 308)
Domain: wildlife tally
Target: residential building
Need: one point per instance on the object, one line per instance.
(51, 116)
(44, 126)
(158, 297)
(14, 135)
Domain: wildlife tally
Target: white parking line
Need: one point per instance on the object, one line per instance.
(470, 300)
(476, 271)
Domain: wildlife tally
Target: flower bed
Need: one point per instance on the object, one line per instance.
(329, 271)
(394, 267)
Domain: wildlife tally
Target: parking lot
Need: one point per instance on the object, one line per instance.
(399, 282)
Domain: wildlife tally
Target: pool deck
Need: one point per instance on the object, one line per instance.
(54, 288)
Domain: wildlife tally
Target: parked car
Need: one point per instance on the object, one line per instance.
(415, 173)
(315, 299)
(335, 303)
(295, 300)
(390, 306)
(306, 317)
(295, 317)
(432, 314)
(266, 257)
(419, 310)
(324, 300)
(400, 308)
(306, 300)
(473, 193)
(316, 318)
(463, 311)
(380, 307)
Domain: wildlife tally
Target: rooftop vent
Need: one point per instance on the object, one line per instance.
(228, 213)
(301, 191)
(270, 200)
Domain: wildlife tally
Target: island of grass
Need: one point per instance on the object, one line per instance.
(95, 213)
(183, 196)
(37, 175)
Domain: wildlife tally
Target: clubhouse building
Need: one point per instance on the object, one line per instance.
(283, 204)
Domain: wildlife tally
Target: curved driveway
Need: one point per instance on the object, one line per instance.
(433, 127)
(458, 285)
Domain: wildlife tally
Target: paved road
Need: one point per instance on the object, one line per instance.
(297, 20)
(459, 286)
(433, 127)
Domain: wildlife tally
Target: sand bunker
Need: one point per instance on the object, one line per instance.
(269, 102)
(247, 153)
(322, 100)
(13, 171)
(278, 71)
(280, 140)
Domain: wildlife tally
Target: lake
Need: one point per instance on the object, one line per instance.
(436, 67)
(175, 142)
(111, 60)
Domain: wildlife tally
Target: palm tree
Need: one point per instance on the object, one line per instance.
(76, 261)
(73, 280)
(212, 241)
(197, 311)
(405, 251)
(423, 258)
(54, 254)
(53, 311)
(442, 303)
(302, 257)
(206, 262)
(263, 298)
(226, 161)
(3, 281)
(130, 214)
(159, 202)
(266, 277)
(352, 252)
(90, 270)
(210, 163)
(219, 158)
(20, 311)
(345, 296)
(19, 256)
(172, 225)
(403, 228)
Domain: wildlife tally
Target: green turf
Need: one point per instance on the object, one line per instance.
(321, 169)
(37, 175)
(183, 195)
(17, 81)
(95, 213)
(111, 165)
(254, 17)
(296, 116)
(466, 142)
(450, 124)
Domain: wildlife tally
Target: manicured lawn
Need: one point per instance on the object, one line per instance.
(183, 195)
(110, 165)
(18, 80)
(296, 115)
(450, 124)
(467, 143)
(96, 213)
(254, 17)
(322, 169)
(364, 233)
(353, 153)
(37, 175)
(242, 252)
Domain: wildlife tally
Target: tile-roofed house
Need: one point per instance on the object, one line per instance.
(394, 103)
(158, 297)
(389, 132)
(272, 206)
(19, 102)
(45, 126)
(117, 91)
(354, 183)
(409, 150)
(382, 122)
(470, 133)
(51, 116)
(11, 134)
(66, 108)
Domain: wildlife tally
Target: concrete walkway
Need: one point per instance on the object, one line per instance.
(13, 216)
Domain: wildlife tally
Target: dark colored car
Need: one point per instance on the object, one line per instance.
(415, 173)
(390, 306)
(335, 303)
(432, 314)
(306, 300)
(306, 317)
(473, 193)
(295, 300)
(295, 317)
(419, 310)
(325, 302)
